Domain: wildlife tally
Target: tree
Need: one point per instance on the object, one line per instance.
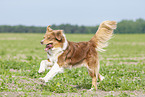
(124, 26)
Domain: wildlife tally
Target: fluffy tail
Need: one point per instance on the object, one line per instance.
(103, 34)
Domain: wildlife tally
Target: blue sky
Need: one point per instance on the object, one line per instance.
(80, 12)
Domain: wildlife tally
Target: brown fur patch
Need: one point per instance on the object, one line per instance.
(75, 53)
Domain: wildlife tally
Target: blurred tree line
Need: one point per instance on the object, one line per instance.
(125, 26)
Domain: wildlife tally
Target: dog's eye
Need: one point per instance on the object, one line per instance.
(49, 38)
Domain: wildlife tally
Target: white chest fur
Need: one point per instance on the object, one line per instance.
(54, 54)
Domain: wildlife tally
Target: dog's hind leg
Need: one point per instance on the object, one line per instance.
(94, 79)
(94, 73)
(45, 64)
(99, 75)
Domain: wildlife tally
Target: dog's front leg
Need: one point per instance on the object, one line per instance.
(45, 64)
(53, 71)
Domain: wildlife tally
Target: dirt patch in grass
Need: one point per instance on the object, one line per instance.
(15, 70)
(130, 43)
(135, 58)
(17, 94)
(19, 83)
(98, 93)
(23, 79)
(129, 63)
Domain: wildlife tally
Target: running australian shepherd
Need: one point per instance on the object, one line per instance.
(63, 54)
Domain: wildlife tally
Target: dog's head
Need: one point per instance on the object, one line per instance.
(53, 39)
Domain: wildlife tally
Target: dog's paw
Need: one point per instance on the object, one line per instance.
(43, 80)
(102, 77)
(92, 89)
(41, 71)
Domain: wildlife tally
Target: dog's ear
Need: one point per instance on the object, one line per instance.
(48, 28)
(59, 35)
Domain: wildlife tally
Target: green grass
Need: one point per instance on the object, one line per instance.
(122, 65)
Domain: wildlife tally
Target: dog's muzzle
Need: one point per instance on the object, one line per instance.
(42, 41)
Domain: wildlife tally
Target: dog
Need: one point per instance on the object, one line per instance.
(63, 54)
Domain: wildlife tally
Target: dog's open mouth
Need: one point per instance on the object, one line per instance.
(48, 46)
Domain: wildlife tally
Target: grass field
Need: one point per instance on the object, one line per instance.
(123, 65)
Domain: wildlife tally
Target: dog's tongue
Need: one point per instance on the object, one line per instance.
(48, 46)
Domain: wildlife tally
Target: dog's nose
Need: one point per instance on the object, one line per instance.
(41, 42)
